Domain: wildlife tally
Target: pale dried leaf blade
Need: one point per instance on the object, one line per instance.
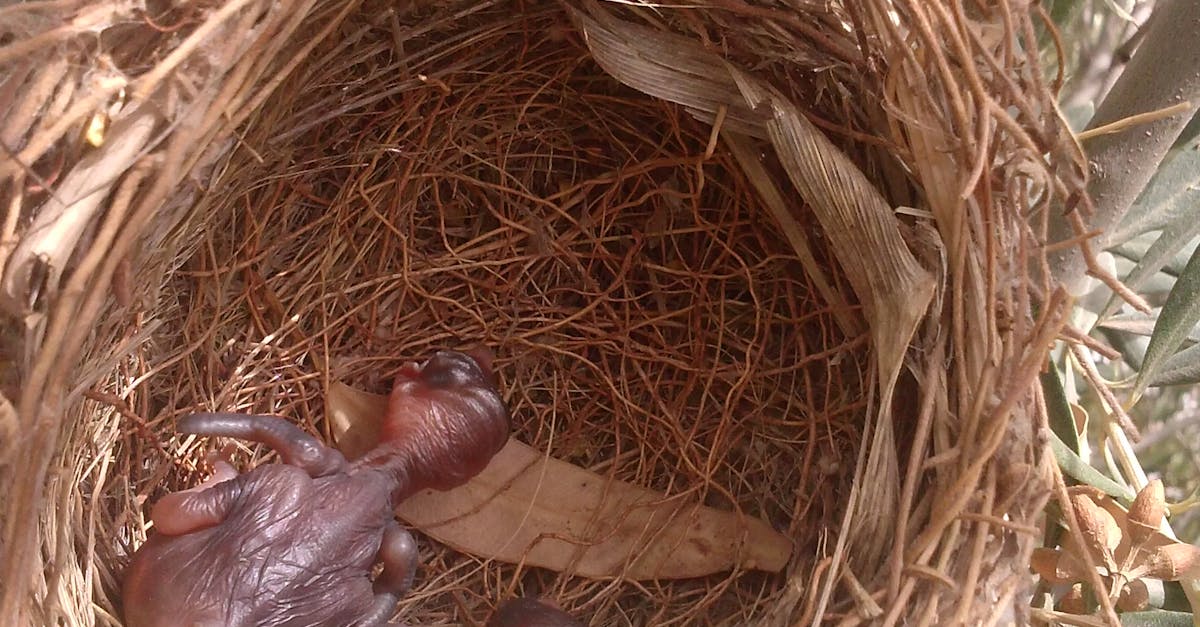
(64, 217)
(539, 511)
(865, 232)
(797, 238)
(666, 66)
(894, 289)
(8, 427)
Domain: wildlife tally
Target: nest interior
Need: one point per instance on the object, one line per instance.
(649, 323)
(353, 185)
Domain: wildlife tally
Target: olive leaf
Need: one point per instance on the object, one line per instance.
(1074, 466)
(1157, 618)
(1175, 236)
(1179, 315)
(1138, 323)
(1061, 418)
(529, 508)
(1180, 369)
(1170, 195)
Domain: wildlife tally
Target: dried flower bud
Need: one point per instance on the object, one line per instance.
(1172, 562)
(1100, 531)
(1048, 563)
(1135, 596)
(1146, 513)
(1072, 601)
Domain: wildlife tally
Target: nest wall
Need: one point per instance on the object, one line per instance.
(676, 226)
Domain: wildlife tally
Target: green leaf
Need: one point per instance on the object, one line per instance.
(1062, 422)
(1190, 133)
(1063, 12)
(1182, 368)
(1131, 347)
(1074, 466)
(1135, 249)
(1157, 618)
(1175, 237)
(1179, 315)
(1138, 323)
(1170, 195)
(1079, 115)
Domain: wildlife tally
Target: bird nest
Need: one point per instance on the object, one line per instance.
(780, 263)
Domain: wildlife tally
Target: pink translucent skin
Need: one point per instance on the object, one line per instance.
(446, 419)
(295, 543)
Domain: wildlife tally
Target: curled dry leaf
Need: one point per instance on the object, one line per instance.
(63, 220)
(528, 508)
(1146, 512)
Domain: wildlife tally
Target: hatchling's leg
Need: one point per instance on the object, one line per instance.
(398, 552)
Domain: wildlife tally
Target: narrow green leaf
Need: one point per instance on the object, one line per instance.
(1131, 347)
(1062, 422)
(1175, 237)
(1171, 194)
(1135, 249)
(1179, 315)
(1074, 466)
(1138, 323)
(1190, 132)
(1157, 618)
(1182, 368)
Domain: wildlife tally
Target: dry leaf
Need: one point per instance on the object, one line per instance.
(1072, 601)
(63, 219)
(528, 508)
(1134, 597)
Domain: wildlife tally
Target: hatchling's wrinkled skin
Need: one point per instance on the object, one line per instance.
(526, 612)
(294, 543)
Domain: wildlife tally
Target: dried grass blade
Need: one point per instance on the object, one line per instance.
(62, 220)
(796, 237)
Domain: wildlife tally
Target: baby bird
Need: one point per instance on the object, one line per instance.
(294, 543)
